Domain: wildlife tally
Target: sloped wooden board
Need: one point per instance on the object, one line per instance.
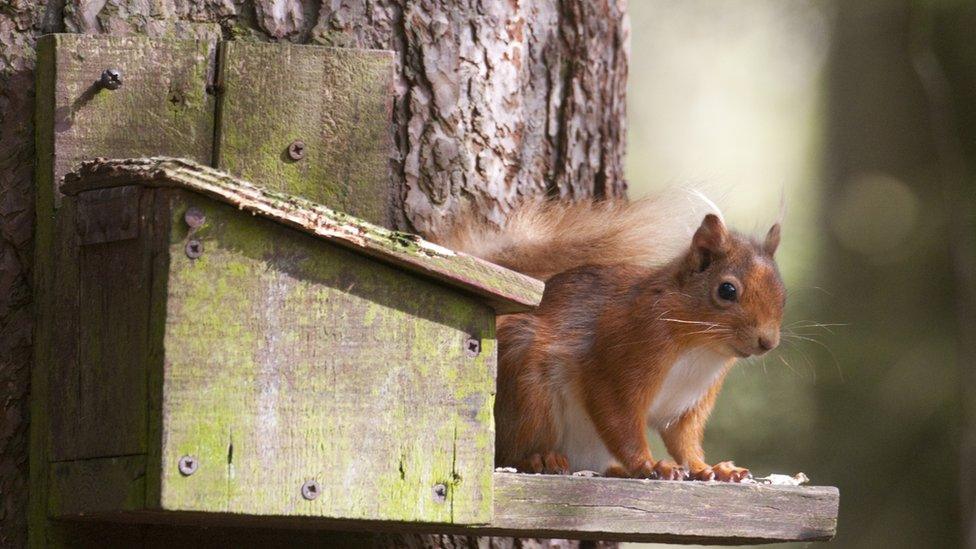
(506, 291)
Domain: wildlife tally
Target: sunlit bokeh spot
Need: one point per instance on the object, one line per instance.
(876, 214)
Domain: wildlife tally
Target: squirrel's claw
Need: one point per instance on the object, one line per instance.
(705, 474)
(726, 471)
(668, 470)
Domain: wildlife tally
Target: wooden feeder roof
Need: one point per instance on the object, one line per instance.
(505, 290)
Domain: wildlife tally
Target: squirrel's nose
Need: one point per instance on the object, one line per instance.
(768, 342)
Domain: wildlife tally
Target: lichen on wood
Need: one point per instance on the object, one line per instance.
(506, 290)
(336, 102)
(289, 359)
(540, 89)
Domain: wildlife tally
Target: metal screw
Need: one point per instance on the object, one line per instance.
(310, 490)
(111, 79)
(296, 151)
(188, 465)
(472, 347)
(194, 249)
(176, 97)
(194, 217)
(440, 493)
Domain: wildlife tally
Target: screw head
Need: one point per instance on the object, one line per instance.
(194, 217)
(111, 79)
(472, 347)
(310, 490)
(296, 150)
(440, 493)
(188, 465)
(194, 248)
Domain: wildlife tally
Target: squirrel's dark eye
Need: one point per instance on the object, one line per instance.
(728, 291)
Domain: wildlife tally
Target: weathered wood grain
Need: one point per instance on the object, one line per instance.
(505, 290)
(75, 120)
(337, 102)
(162, 106)
(289, 359)
(534, 119)
(97, 485)
(601, 508)
(645, 510)
(98, 387)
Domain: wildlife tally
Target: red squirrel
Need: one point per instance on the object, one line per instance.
(642, 317)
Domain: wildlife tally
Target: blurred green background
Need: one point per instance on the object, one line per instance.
(863, 113)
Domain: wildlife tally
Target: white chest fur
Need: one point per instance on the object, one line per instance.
(689, 378)
(687, 381)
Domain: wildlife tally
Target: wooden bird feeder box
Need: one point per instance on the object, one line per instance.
(228, 332)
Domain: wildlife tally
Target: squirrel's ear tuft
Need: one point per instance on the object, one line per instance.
(772, 240)
(711, 239)
(711, 235)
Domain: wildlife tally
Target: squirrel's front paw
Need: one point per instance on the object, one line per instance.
(662, 470)
(725, 471)
(669, 470)
(550, 463)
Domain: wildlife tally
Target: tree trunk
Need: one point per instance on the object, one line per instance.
(495, 101)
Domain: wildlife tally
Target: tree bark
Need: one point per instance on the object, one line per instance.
(494, 101)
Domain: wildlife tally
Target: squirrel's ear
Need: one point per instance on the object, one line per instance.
(772, 240)
(711, 239)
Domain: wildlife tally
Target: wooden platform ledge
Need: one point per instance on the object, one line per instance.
(661, 511)
(567, 507)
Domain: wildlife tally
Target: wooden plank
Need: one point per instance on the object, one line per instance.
(162, 107)
(97, 486)
(100, 398)
(289, 359)
(76, 120)
(661, 511)
(506, 291)
(338, 102)
(534, 506)
(45, 242)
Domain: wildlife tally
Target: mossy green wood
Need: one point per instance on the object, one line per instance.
(288, 359)
(75, 120)
(338, 102)
(162, 106)
(504, 290)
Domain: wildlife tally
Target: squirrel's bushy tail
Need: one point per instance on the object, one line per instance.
(542, 238)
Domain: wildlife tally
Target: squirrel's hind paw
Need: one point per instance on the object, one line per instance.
(550, 463)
